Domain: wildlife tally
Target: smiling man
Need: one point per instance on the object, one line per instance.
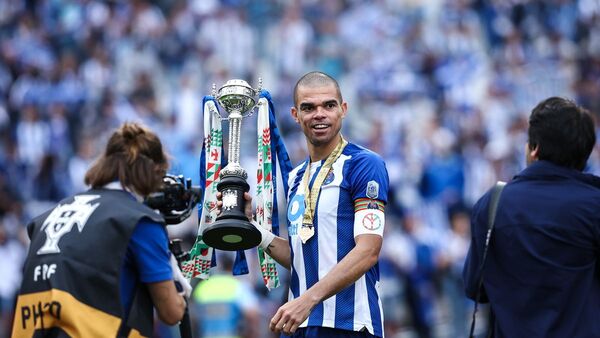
(335, 224)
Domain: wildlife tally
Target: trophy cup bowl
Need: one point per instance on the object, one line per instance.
(237, 96)
(231, 230)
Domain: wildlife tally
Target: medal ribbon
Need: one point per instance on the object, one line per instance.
(311, 194)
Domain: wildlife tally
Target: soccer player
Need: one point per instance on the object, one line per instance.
(335, 224)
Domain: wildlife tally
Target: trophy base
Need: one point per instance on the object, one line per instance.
(231, 234)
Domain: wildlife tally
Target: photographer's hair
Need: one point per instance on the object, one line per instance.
(563, 131)
(316, 79)
(133, 156)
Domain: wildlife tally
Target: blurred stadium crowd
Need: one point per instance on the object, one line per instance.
(441, 89)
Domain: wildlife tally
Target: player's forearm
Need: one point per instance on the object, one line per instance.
(356, 263)
(279, 250)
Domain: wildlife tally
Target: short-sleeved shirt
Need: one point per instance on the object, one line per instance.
(147, 259)
(357, 174)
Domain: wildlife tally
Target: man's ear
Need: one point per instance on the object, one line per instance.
(294, 112)
(534, 151)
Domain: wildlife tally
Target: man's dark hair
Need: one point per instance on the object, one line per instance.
(563, 131)
(316, 79)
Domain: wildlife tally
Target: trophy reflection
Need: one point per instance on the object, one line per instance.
(231, 230)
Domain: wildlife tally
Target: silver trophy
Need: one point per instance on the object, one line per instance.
(231, 230)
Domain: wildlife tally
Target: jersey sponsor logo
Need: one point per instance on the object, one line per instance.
(293, 229)
(372, 190)
(296, 208)
(62, 219)
(371, 221)
(294, 213)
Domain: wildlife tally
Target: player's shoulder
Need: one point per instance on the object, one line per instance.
(359, 153)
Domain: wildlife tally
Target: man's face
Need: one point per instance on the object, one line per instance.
(319, 113)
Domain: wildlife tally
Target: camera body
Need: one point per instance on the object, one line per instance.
(176, 200)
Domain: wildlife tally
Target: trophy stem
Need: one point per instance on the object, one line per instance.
(234, 138)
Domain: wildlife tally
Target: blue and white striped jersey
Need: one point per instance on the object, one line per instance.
(358, 174)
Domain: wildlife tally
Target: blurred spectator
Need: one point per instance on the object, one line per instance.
(12, 256)
(393, 260)
(49, 184)
(96, 72)
(61, 143)
(420, 274)
(187, 110)
(225, 305)
(443, 175)
(32, 134)
(229, 40)
(413, 252)
(14, 178)
(292, 33)
(80, 162)
(452, 258)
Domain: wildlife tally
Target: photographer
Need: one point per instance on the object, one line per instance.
(99, 261)
(541, 273)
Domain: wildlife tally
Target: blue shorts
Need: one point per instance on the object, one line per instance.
(319, 332)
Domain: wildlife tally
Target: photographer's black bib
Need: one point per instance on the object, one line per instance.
(71, 278)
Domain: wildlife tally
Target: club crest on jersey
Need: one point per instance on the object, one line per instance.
(62, 219)
(372, 189)
(371, 221)
(329, 178)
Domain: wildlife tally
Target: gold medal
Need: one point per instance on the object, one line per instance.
(306, 232)
(311, 195)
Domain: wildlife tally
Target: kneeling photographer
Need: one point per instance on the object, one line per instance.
(99, 262)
